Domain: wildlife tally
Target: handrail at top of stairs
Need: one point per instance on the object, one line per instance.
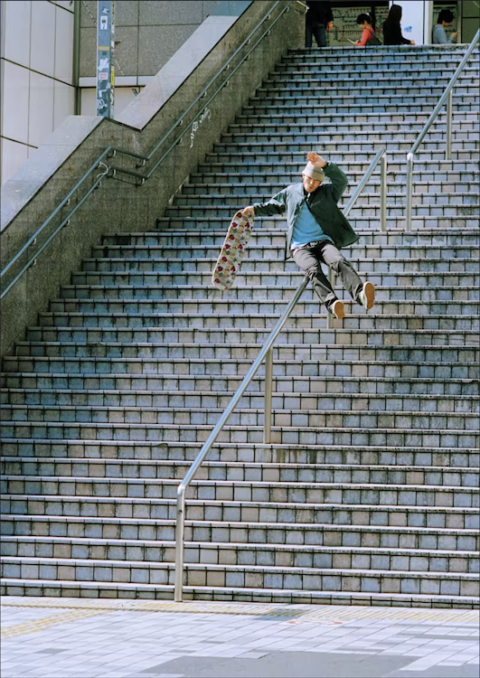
(447, 96)
(267, 354)
(110, 151)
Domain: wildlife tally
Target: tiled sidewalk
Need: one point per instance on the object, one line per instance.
(50, 637)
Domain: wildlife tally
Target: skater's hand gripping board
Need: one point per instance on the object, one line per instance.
(232, 251)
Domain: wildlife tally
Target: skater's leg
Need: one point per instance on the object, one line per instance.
(308, 259)
(364, 294)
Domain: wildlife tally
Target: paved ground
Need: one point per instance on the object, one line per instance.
(69, 638)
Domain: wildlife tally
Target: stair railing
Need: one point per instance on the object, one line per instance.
(266, 354)
(111, 151)
(447, 96)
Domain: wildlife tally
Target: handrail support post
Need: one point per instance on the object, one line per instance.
(409, 182)
(331, 280)
(179, 544)
(383, 193)
(448, 150)
(267, 424)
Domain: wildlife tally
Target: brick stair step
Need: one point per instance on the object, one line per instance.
(265, 285)
(343, 493)
(240, 471)
(261, 248)
(460, 438)
(396, 189)
(418, 222)
(44, 531)
(24, 388)
(202, 212)
(293, 556)
(232, 338)
(391, 240)
(62, 588)
(388, 56)
(264, 277)
(206, 414)
(293, 150)
(396, 369)
(412, 316)
(337, 107)
(425, 456)
(388, 515)
(223, 352)
(135, 344)
(58, 588)
(302, 120)
(159, 286)
(261, 577)
(370, 199)
(360, 401)
(430, 180)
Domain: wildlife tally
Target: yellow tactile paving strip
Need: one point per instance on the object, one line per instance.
(17, 630)
(77, 608)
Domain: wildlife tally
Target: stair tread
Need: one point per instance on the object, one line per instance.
(233, 546)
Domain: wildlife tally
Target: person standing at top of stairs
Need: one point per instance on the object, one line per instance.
(317, 228)
(318, 20)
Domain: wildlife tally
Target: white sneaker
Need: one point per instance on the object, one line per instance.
(338, 309)
(367, 296)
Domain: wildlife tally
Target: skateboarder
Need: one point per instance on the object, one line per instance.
(317, 229)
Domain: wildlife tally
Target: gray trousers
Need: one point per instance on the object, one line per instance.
(310, 258)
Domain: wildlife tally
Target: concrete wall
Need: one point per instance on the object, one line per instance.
(31, 195)
(147, 34)
(37, 89)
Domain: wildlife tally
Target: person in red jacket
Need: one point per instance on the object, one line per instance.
(368, 34)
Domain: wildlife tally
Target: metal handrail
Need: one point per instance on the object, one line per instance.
(447, 96)
(111, 170)
(65, 221)
(267, 354)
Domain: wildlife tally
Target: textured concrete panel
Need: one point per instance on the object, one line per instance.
(88, 14)
(158, 44)
(163, 13)
(126, 13)
(126, 50)
(208, 7)
(88, 52)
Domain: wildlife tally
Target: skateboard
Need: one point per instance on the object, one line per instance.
(232, 251)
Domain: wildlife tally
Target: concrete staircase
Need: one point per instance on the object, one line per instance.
(369, 493)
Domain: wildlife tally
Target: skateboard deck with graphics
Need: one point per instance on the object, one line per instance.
(232, 251)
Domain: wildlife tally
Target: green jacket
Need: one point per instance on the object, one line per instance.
(322, 203)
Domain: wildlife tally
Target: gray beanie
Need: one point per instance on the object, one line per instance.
(314, 172)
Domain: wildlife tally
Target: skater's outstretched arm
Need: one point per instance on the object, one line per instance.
(276, 205)
(337, 177)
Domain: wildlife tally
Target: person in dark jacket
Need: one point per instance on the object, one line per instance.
(318, 21)
(317, 229)
(392, 31)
